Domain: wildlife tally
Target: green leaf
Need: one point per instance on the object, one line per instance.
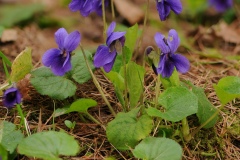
(82, 105)
(118, 83)
(131, 37)
(227, 89)
(13, 14)
(46, 83)
(172, 81)
(179, 103)
(49, 145)
(3, 153)
(22, 65)
(205, 108)
(127, 129)
(79, 70)
(10, 136)
(70, 124)
(152, 148)
(135, 75)
(119, 59)
(5, 59)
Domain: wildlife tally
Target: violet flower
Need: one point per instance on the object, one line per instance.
(105, 55)
(165, 6)
(11, 97)
(221, 5)
(87, 6)
(168, 58)
(59, 59)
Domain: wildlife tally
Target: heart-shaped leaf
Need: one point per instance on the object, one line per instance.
(152, 148)
(10, 136)
(82, 105)
(22, 65)
(126, 130)
(205, 108)
(227, 89)
(179, 103)
(79, 70)
(46, 83)
(49, 145)
(131, 37)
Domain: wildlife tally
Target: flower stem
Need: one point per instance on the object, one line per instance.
(97, 84)
(6, 70)
(207, 121)
(94, 120)
(22, 121)
(185, 130)
(104, 20)
(113, 11)
(157, 90)
(125, 82)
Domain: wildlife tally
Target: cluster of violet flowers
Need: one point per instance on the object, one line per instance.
(59, 59)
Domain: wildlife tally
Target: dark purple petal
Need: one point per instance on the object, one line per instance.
(67, 66)
(175, 5)
(49, 56)
(57, 66)
(165, 66)
(111, 28)
(11, 97)
(114, 36)
(221, 5)
(60, 36)
(97, 6)
(173, 40)
(86, 8)
(55, 59)
(103, 56)
(75, 5)
(180, 62)
(163, 10)
(72, 41)
(108, 67)
(160, 40)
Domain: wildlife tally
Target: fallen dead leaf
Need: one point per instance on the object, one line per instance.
(132, 13)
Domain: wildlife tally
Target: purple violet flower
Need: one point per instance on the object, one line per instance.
(87, 6)
(59, 59)
(221, 5)
(11, 97)
(168, 58)
(165, 6)
(105, 55)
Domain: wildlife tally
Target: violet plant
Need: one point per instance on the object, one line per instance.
(135, 128)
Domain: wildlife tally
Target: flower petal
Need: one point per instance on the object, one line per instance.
(175, 5)
(103, 56)
(57, 66)
(72, 41)
(165, 66)
(11, 97)
(67, 66)
(163, 10)
(108, 67)
(49, 56)
(60, 36)
(114, 36)
(159, 39)
(86, 8)
(111, 28)
(173, 40)
(75, 5)
(180, 62)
